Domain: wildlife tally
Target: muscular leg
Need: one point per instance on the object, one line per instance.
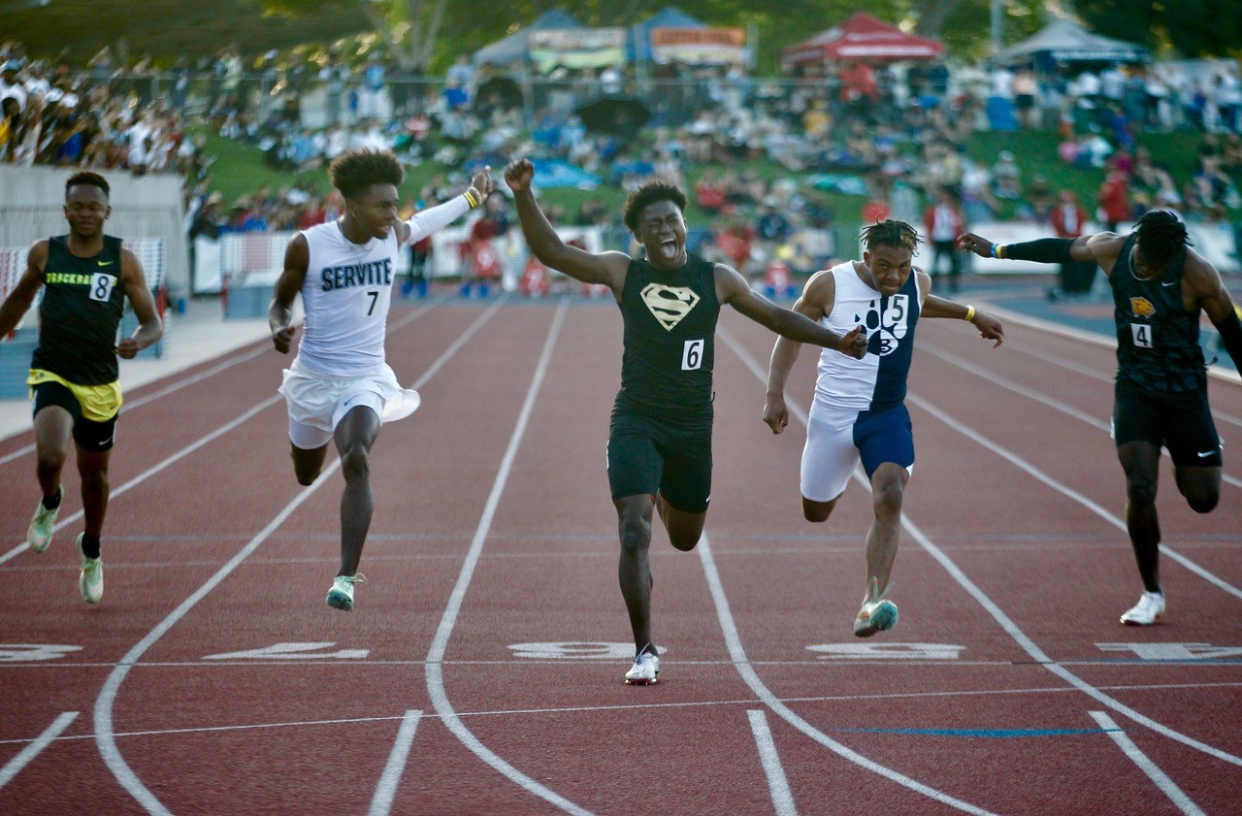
(633, 569)
(308, 462)
(355, 434)
(1140, 461)
(1200, 486)
(684, 529)
(887, 485)
(93, 468)
(818, 512)
(53, 428)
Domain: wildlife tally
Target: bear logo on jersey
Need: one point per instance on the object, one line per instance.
(669, 304)
(885, 326)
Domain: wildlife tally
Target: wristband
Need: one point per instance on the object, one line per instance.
(998, 251)
(970, 314)
(472, 198)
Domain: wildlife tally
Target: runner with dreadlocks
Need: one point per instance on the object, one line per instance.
(1160, 396)
(859, 409)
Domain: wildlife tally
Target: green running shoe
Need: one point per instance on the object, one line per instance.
(341, 595)
(91, 579)
(43, 525)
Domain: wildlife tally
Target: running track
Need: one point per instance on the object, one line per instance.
(481, 670)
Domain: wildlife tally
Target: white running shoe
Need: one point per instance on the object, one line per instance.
(1147, 611)
(341, 595)
(878, 614)
(90, 581)
(645, 671)
(43, 525)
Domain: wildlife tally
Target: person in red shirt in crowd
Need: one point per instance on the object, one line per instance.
(942, 223)
(481, 264)
(1069, 220)
(1114, 197)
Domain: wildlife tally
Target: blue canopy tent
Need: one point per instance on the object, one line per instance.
(513, 49)
(639, 38)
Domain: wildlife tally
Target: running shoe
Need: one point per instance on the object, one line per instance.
(43, 525)
(645, 671)
(1147, 611)
(90, 582)
(341, 595)
(878, 614)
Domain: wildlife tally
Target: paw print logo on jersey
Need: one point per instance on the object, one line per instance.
(885, 327)
(669, 304)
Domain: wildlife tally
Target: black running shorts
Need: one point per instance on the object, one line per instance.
(90, 435)
(646, 456)
(1181, 422)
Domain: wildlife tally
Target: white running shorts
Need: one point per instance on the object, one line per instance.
(317, 402)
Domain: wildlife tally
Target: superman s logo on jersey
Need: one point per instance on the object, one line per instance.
(669, 304)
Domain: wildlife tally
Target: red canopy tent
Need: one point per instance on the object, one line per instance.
(862, 38)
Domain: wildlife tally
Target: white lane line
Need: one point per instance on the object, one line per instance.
(14, 766)
(733, 640)
(1090, 338)
(386, 791)
(778, 785)
(1010, 385)
(149, 472)
(146, 398)
(986, 602)
(628, 707)
(105, 737)
(439, 645)
(1024, 465)
(223, 429)
(1167, 785)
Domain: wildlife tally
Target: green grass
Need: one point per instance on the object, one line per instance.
(240, 170)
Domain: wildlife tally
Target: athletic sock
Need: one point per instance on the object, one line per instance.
(53, 502)
(90, 546)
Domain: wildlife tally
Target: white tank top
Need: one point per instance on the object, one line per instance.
(346, 295)
(878, 380)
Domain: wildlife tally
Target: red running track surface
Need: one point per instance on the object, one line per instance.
(481, 670)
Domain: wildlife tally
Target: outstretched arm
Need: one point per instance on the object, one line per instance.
(607, 267)
(440, 216)
(1102, 247)
(732, 288)
(22, 297)
(817, 298)
(150, 327)
(280, 313)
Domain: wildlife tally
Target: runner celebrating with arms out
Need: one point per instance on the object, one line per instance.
(659, 446)
(859, 409)
(1160, 397)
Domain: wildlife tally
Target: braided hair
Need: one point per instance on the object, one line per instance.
(1161, 236)
(891, 233)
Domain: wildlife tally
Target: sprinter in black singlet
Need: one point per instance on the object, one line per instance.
(659, 447)
(74, 377)
(1159, 288)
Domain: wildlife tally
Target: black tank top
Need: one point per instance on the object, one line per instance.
(81, 310)
(1157, 339)
(670, 329)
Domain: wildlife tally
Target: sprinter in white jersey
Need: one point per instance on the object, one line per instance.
(339, 387)
(859, 410)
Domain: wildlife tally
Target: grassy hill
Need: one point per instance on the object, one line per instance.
(239, 170)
